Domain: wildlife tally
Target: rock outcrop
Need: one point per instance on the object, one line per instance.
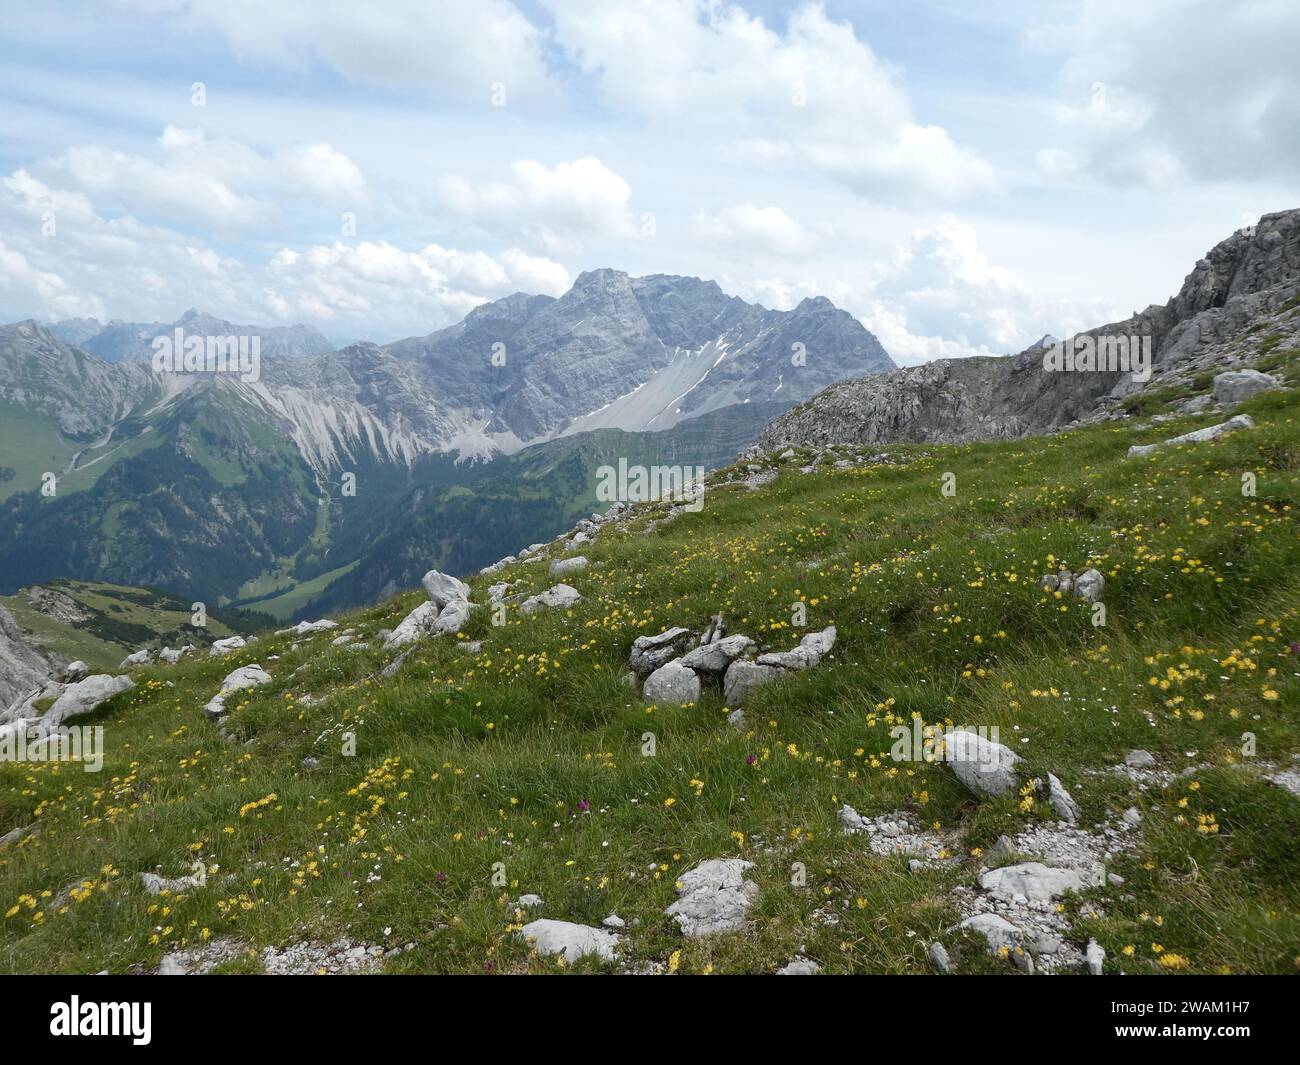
(1244, 279)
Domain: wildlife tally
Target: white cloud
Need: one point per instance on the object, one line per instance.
(816, 95)
(123, 268)
(749, 228)
(221, 183)
(559, 207)
(1170, 91)
(463, 49)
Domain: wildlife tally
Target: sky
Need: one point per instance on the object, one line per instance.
(962, 177)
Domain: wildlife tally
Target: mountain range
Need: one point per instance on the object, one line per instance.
(272, 489)
(336, 478)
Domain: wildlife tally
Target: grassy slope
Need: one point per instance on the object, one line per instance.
(114, 606)
(463, 760)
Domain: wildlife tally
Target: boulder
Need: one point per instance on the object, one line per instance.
(556, 598)
(453, 617)
(250, 676)
(1095, 957)
(743, 677)
(142, 657)
(1233, 386)
(1089, 585)
(812, 648)
(443, 588)
(306, 628)
(799, 967)
(715, 657)
(391, 669)
(714, 897)
(1140, 759)
(672, 684)
(984, 766)
(73, 672)
(574, 941)
(415, 625)
(562, 566)
(1210, 432)
(650, 652)
(172, 655)
(155, 885)
(1038, 882)
(83, 697)
(224, 647)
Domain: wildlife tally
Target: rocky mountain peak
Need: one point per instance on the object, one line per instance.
(1242, 283)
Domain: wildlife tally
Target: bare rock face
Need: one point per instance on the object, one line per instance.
(1249, 275)
(22, 667)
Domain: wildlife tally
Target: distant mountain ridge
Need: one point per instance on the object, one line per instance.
(119, 341)
(279, 489)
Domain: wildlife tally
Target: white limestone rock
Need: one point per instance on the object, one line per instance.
(574, 941)
(714, 897)
(672, 684)
(986, 767)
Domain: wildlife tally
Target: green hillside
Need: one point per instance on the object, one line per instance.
(529, 752)
(117, 620)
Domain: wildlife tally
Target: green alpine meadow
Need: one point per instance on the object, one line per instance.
(410, 813)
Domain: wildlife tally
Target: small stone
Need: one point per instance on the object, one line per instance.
(799, 967)
(1062, 800)
(1095, 957)
(1139, 759)
(939, 960)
